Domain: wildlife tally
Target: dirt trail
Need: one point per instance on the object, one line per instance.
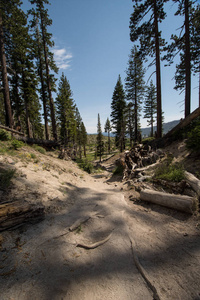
(152, 253)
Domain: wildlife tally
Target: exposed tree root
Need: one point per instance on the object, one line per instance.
(142, 271)
(95, 245)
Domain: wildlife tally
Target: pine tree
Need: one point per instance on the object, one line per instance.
(4, 15)
(84, 137)
(187, 45)
(24, 79)
(148, 35)
(118, 117)
(100, 143)
(135, 89)
(150, 105)
(108, 129)
(66, 112)
(78, 132)
(42, 14)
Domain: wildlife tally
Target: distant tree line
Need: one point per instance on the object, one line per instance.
(28, 78)
(148, 43)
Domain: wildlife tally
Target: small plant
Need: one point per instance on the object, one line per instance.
(33, 155)
(193, 141)
(170, 172)
(5, 178)
(79, 229)
(15, 144)
(85, 165)
(4, 135)
(39, 149)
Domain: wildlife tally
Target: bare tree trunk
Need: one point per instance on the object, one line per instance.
(43, 88)
(53, 120)
(187, 61)
(28, 123)
(158, 75)
(9, 117)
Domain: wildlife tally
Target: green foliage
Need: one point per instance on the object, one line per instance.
(85, 165)
(15, 144)
(4, 135)
(135, 87)
(193, 141)
(170, 172)
(39, 149)
(66, 111)
(147, 140)
(118, 116)
(5, 178)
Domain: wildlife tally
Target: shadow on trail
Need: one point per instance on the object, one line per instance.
(47, 266)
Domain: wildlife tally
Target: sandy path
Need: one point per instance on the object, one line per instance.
(52, 267)
(42, 261)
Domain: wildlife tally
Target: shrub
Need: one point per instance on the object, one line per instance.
(15, 144)
(4, 135)
(5, 178)
(170, 172)
(85, 165)
(147, 140)
(39, 149)
(193, 141)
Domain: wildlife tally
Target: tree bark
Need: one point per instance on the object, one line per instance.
(179, 202)
(43, 88)
(8, 110)
(158, 75)
(53, 120)
(187, 61)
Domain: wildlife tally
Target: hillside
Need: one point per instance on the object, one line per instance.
(166, 127)
(93, 242)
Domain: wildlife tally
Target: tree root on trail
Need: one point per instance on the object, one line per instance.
(95, 245)
(142, 271)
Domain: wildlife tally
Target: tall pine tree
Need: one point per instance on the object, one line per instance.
(135, 90)
(118, 114)
(100, 143)
(144, 27)
(42, 14)
(150, 105)
(66, 112)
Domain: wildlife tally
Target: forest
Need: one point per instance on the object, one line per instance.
(28, 71)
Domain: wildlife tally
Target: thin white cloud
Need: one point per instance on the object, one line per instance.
(62, 58)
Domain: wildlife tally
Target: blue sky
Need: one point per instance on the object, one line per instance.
(92, 45)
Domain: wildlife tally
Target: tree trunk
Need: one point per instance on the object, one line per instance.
(53, 120)
(9, 117)
(158, 75)
(28, 123)
(187, 61)
(43, 88)
(179, 202)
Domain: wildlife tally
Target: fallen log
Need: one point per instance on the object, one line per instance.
(193, 181)
(17, 213)
(12, 130)
(180, 202)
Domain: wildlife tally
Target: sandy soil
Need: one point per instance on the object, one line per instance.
(150, 252)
